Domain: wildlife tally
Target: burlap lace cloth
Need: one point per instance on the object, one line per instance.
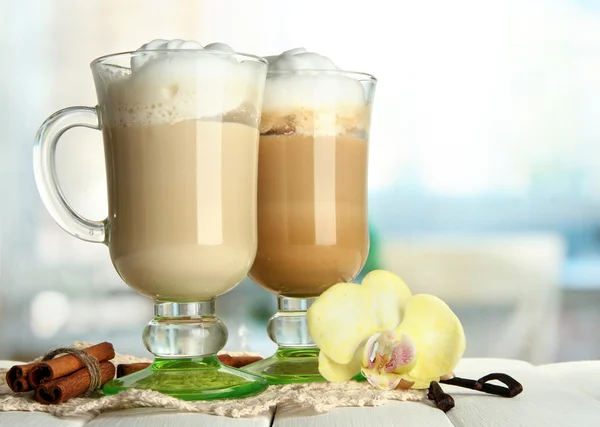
(321, 397)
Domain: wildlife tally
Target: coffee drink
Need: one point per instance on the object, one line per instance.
(312, 215)
(181, 144)
(312, 184)
(182, 206)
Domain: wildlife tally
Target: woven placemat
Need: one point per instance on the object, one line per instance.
(321, 397)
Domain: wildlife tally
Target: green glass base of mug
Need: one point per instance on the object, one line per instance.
(191, 379)
(290, 366)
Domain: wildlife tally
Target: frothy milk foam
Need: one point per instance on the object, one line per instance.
(309, 88)
(163, 88)
(181, 144)
(312, 200)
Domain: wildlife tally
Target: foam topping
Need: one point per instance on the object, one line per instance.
(305, 93)
(299, 59)
(167, 88)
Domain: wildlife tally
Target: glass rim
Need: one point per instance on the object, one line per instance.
(133, 53)
(358, 75)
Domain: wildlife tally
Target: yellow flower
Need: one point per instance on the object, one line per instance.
(395, 338)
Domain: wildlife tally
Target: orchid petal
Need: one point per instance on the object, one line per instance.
(389, 295)
(341, 319)
(438, 335)
(336, 372)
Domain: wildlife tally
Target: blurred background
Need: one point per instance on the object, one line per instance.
(484, 164)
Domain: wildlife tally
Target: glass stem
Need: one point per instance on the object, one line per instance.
(288, 328)
(185, 330)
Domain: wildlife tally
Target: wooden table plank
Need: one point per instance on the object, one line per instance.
(37, 419)
(583, 375)
(157, 417)
(564, 395)
(543, 403)
(393, 414)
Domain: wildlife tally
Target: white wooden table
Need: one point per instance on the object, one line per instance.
(558, 395)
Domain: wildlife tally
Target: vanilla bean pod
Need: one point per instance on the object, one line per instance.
(512, 389)
(443, 401)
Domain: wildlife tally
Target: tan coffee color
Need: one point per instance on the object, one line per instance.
(182, 206)
(312, 212)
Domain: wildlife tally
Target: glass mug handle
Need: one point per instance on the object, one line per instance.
(44, 169)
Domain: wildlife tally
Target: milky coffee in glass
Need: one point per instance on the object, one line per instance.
(312, 183)
(181, 170)
(180, 126)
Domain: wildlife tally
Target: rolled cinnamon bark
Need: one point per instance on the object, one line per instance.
(73, 385)
(21, 385)
(238, 361)
(129, 368)
(233, 361)
(67, 364)
(16, 377)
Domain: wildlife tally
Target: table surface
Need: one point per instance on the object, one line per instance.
(564, 394)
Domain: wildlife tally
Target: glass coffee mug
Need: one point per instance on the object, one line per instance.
(312, 203)
(180, 132)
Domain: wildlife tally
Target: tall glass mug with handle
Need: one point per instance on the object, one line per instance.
(180, 130)
(312, 198)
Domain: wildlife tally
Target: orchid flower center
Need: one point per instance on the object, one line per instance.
(386, 359)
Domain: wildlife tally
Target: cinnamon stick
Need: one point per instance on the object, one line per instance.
(233, 361)
(237, 361)
(65, 365)
(75, 384)
(129, 368)
(16, 377)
